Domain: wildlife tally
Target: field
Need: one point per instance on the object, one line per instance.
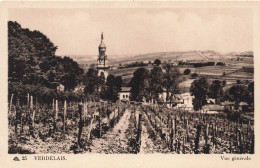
(126, 128)
(233, 69)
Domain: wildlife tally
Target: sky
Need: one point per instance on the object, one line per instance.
(140, 31)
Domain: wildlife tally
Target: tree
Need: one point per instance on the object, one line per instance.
(239, 93)
(186, 71)
(170, 81)
(224, 83)
(194, 75)
(91, 82)
(216, 91)
(113, 86)
(139, 84)
(238, 81)
(199, 89)
(157, 62)
(250, 99)
(155, 83)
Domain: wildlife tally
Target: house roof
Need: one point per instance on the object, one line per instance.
(243, 104)
(125, 89)
(227, 103)
(213, 107)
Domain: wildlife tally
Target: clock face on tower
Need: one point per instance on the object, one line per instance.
(100, 61)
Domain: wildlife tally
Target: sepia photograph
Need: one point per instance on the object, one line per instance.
(131, 81)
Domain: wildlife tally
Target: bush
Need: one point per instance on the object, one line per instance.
(187, 71)
(220, 63)
(157, 62)
(233, 115)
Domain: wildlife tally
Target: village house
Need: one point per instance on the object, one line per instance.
(60, 87)
(180, 101)
(212, 108)
(124, 94)
(228, 105)
(184, 101)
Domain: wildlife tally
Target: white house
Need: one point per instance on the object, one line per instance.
(181, 101)
(124, 94)
(186, 99)
(60, 87)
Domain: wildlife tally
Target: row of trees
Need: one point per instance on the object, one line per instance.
(201, 90)
(149, 84)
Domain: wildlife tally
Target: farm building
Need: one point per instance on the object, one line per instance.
(228, 105)
(184, 101)
(124, 94)
(243, 106)
(212, 108)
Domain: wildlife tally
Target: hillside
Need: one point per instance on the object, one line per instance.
(32, 62)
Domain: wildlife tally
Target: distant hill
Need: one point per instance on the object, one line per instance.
(174, 56)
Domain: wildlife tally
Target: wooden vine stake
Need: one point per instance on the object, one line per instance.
(139, 130)
(28, 100)
(252, 149)
(31, 104)
(11, 102)
(80, 124)
(53, 105)
(187, 131)
(17, 110)
(64, 116)
(99, 123)
(33, 112)
(90, 129)
(56, 116)
(197, 140)
(206, 138)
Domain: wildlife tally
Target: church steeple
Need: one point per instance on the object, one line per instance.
(102, 65)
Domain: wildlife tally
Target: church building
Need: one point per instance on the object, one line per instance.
(102, 64)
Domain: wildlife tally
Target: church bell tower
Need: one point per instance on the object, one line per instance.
(102, 64)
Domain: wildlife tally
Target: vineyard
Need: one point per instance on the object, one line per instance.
(104, 127)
